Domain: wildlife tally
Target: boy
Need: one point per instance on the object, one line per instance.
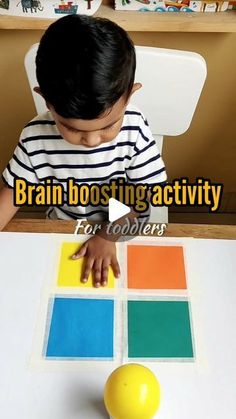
(85, 69)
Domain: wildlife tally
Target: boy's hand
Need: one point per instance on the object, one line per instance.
(100, 254)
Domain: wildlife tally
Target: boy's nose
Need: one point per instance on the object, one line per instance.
(91, 139)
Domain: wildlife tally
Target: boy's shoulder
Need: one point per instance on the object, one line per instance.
(133, 115)
(42, 119)
(42, 124)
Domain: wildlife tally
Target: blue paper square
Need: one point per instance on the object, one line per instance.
(81, 328)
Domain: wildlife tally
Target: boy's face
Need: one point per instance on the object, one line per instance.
(92, 133)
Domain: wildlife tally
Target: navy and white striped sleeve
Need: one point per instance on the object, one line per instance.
(20, 166)
(146, 165)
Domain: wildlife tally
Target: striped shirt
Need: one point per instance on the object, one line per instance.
(42, 153)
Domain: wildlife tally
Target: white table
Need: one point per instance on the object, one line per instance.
(204, 389)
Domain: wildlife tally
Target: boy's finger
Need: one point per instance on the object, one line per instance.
(104, 276)
(105, 270)
(97, 273)
(87, 269)
(82, 252)
(115, 267)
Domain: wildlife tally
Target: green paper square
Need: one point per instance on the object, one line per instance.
(159, 329)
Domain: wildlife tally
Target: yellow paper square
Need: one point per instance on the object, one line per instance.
(69, 273)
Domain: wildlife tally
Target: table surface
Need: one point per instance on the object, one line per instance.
(173, 230)
(205, 388)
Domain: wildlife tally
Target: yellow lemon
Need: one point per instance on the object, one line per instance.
(132, 392)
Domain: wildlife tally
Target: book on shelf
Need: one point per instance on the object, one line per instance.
(174, 5)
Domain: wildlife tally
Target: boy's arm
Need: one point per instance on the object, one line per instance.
(7, 208)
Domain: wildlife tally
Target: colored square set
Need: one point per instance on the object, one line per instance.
(154, 325)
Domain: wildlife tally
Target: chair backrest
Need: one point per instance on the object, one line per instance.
(172, 83)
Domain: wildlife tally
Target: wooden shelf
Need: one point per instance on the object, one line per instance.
(171, 22)
(143, 21)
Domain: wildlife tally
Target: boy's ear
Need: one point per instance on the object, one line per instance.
(36, 89)
(136, 86)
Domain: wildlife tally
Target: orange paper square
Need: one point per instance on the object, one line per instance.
(156, 267)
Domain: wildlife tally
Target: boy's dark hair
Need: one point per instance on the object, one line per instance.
(84, 65)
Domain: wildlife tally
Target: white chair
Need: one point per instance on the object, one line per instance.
(172, 83)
